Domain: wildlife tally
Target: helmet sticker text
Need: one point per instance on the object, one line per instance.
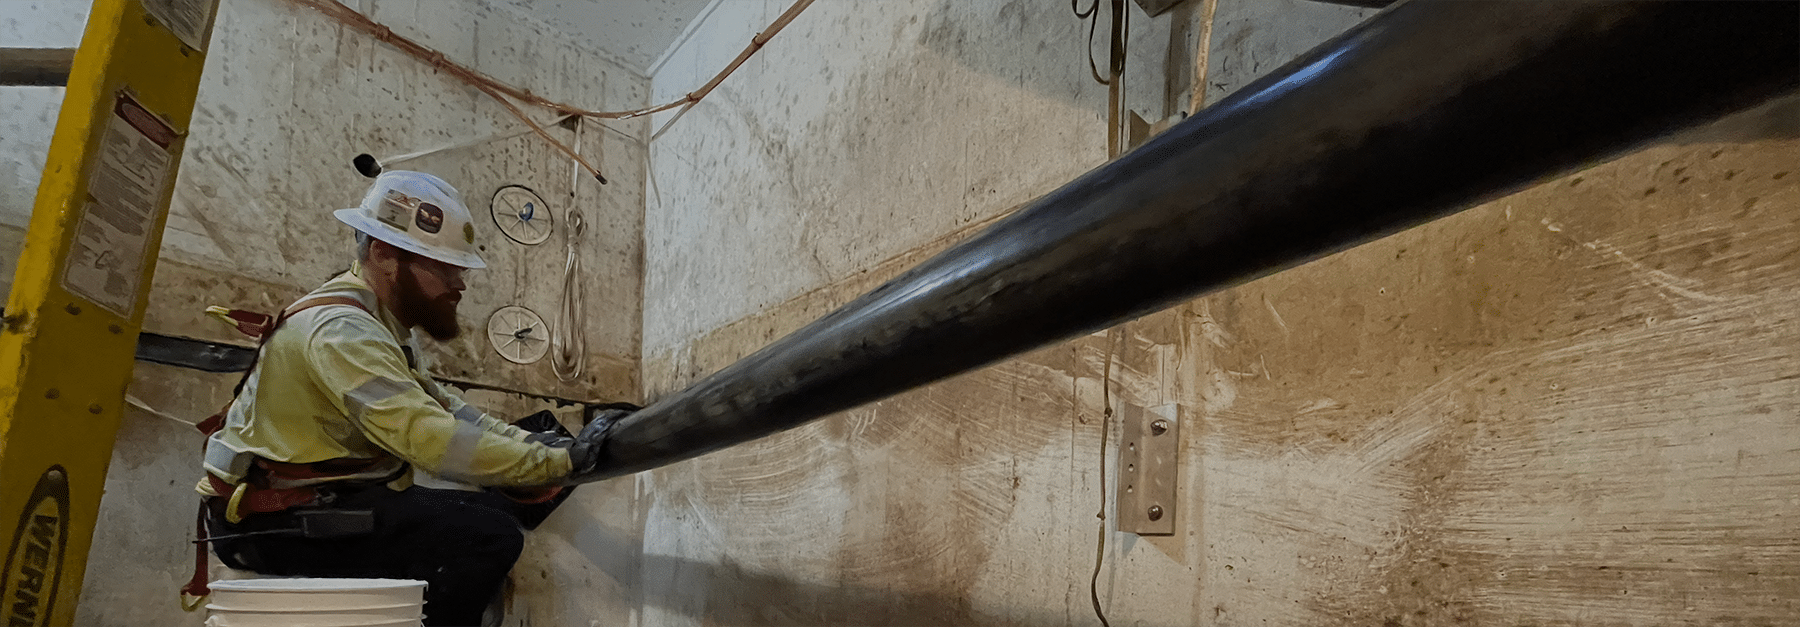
(394, 210)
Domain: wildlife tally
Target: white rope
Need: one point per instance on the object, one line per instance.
(467, 143)
(568, 345)
(144, 407)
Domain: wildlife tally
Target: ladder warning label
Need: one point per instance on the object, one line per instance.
(130, 174)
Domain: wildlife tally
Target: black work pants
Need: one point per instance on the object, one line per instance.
(460, 543)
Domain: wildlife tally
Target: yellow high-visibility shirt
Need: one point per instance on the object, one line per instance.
(335, 382)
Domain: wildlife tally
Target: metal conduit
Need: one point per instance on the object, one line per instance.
(1426, 109)
(35, 67)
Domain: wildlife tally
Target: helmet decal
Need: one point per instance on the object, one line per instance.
(417, 212)
(394, 209)
(431, 218)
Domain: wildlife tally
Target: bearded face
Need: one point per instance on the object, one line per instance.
(426, 298)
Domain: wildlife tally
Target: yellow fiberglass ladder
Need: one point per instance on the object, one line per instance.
(72, 321)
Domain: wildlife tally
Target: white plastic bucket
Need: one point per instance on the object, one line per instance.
(316, 603)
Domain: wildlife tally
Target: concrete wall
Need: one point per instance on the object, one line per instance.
(30, 115)
(1570, 406)
(288, 98)
(864, 130)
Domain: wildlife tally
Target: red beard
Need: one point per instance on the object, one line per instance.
(437, 316)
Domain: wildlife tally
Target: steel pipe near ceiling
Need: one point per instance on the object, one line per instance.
(1427, 109)
(35, 67)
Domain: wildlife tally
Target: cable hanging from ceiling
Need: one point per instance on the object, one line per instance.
(568, 345)
(506, 94)
(1092, 17)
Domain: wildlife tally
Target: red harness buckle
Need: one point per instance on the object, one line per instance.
(250, 323)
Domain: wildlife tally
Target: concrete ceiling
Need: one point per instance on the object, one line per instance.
(635, 31)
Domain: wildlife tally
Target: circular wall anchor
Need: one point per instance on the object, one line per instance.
(518, 334)
(521, 215)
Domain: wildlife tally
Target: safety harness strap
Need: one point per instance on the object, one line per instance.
(243, 496)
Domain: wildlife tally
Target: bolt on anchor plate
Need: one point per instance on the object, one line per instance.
(1149, 464)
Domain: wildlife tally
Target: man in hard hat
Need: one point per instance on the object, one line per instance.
(322, 463)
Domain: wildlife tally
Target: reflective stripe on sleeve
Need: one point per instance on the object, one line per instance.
(220, 457)
(374, 391)
(468, 413)
(459, 455)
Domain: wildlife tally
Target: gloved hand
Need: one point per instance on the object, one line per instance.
(586, 453)
(543, 422)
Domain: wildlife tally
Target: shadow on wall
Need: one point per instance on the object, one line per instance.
(1035, 45)
(731, 594)
(1775, 119)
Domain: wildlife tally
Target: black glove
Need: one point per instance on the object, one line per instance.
(543, 422)
(588, 451)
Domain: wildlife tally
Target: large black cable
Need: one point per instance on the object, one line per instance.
(1422, 111)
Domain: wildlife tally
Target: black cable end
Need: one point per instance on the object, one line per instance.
(367, 165)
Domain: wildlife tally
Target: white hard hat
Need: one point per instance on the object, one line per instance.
(417, 212)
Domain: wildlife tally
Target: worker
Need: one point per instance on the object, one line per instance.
(341, 456)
